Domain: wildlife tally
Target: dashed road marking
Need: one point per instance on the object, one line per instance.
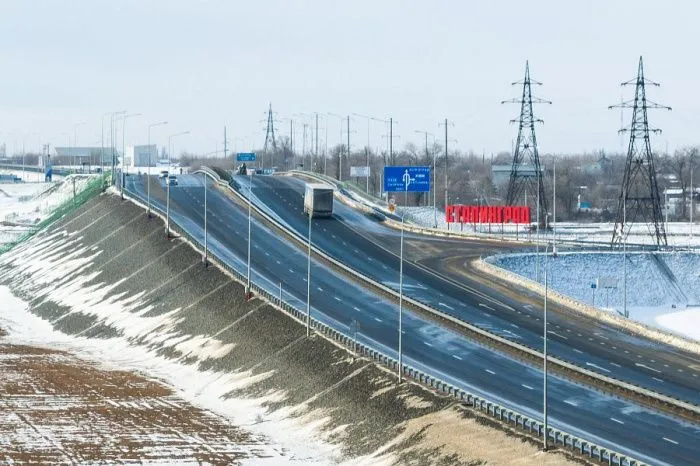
(617, 420)
(337, 298)
(486, 306)
(578, 351)
(590, 364)
(670, 440)
(356, 308)
(456, 357)
(527, 386)
(647, 367)
(615, 364)
(427, 344)
(447, 306)
(490, 371)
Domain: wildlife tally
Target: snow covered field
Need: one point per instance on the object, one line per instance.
(23, 205)
(663, 289)
(678, 233)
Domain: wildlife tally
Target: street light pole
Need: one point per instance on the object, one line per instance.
(250, 201)
(124, 136)
(624, 255)
(546, 290)
(308, 282)
(403, 214)
(148, 173)
(425, 133)
(167, 186)
(206, 237)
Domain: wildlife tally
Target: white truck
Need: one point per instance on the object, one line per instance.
(318, 200)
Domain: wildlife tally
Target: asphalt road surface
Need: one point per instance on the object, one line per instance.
(436, 272)
(614, 423)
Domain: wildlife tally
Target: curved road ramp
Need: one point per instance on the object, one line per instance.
(126, 348)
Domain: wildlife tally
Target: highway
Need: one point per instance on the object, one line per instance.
(610, 422)
(369, 247)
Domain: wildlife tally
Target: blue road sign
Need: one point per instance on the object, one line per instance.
(245, 157)
(411, 179)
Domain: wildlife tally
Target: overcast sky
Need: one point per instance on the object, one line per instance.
(203, 65)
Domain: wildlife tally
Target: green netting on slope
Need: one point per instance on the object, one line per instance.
(90, 190)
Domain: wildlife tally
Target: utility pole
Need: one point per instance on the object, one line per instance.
(250, 201)
(225, 143)
(692, 156)
(434, 186)
(316, 154)
(544, 400)
(446, 124)
(639, 182)
(403, 214)
(554, 208)
(341, 160)
(526, 156)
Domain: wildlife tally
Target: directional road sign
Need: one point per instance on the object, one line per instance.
(245, 157)
(410, 179)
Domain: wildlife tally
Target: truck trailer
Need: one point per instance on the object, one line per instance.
(318, 200)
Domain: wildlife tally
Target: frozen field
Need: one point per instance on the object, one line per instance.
(663, 289)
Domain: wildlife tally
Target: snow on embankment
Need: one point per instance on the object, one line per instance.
(663, 289)
(105, 277)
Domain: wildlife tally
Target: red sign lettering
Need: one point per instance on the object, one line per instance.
(487, 214)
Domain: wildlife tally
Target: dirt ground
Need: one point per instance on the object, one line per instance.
(58, 409)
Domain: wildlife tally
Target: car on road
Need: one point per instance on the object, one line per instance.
(172, 180)
(163, 174)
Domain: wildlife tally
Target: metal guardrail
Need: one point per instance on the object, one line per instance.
(454, 319)
(492, 409)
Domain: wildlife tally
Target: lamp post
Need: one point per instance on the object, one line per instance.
(111, 140)
(167, 186)
(308, 281)
(124, 147)
(250, 201)
(544, 400)
(205, 259)
(340, 156)
(148, 173)
(403, 214)
(369, 118)
(75, 138)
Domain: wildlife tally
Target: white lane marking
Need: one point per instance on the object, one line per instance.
(514, 325)
(657, 379)
(462, 304)
(670, 441)
(427, 344)
(304, 279)
(647, 367)
(578, 351)
(617, 420)
(337, 298)
(490, 371)
(267, 254)
(291, 270)
(445, 305)
(456, 357)
(356, 251)
(355, 307)
(597, 367)
(615, 364)
(527, 386)
(278, 263)
(319, 289)
(570, 403)
(486, 306)
(601, 336)
(555, 333)
(380, 320)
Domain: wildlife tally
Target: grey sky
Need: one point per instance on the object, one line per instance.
(201, 65)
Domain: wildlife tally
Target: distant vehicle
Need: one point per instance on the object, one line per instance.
(172, 180)
(318, 200)
(163, 174)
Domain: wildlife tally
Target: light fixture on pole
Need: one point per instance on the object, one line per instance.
(403, 214)
(111, 141)
(148, 170)
(123, 179)
(167, 187)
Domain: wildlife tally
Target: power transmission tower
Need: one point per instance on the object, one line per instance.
(526, 173)
(269, 134)
(639, 195)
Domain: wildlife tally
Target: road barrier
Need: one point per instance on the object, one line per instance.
(348, 342)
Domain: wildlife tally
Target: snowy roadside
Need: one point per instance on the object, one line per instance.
(663, 289)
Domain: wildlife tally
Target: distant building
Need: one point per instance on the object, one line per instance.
(88, 155)
(141, 156)
(600, 166)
